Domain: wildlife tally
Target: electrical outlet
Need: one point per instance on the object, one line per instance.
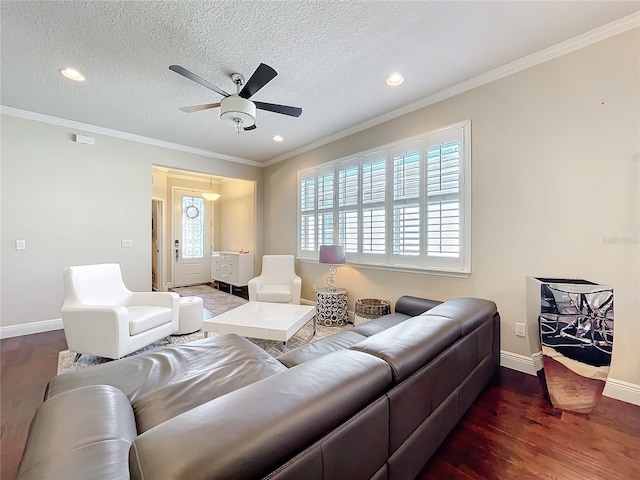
(314, 288)
(125, 244)
(520, 330)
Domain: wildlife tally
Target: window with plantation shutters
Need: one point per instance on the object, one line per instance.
(373, 197)
(443, 200)
(406, 237)
(325, 206)
(307, 218)
(348, 201)
(404, 206)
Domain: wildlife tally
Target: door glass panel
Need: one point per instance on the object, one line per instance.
(192, 227)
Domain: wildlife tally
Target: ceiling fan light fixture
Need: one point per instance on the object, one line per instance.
(238, 112)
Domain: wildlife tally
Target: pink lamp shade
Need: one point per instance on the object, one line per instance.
(333, 254)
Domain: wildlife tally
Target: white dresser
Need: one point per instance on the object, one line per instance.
(233, 268)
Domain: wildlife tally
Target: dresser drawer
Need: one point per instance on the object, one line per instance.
(232, 268)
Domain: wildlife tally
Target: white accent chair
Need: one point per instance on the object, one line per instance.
(278, 282)
(102, 317)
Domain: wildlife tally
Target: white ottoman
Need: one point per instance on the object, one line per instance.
(190, 315)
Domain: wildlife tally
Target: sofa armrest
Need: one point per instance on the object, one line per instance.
(253, 286)
(157, 299)
(160, 299)
(296, 290)
(98, 330)
(82, 433)
(414, 306)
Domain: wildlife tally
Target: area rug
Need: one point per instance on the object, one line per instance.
(215, 303)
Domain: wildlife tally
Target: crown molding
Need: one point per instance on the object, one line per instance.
(38, 117)
(609, 30)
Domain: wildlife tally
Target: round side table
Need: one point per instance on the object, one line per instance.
(332, 307)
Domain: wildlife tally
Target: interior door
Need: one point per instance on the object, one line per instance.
(192, 237)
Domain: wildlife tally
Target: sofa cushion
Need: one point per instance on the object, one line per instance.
(253, 430)
(166, 382)
(176, 397)
(145, 318)
(86, 430)
(275, 293)
(304, 353)
(411, 344)
(379, 324)
(468, 312)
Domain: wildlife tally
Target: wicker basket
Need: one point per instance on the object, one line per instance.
(370, 308)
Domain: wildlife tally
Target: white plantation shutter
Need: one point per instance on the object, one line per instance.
(348, 202)
(406, 205)
(373, 205)
(307, 217)
(326, 187)
(407, 161)
(443, 189)
(444, 182)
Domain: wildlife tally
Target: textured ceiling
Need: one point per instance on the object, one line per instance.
(332, 58)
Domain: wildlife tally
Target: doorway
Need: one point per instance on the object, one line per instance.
(192, 225)
(231, 222)
(158, 283)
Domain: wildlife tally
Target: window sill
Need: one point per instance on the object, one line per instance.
(399, 268)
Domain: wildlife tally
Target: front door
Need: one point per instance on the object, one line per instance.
(192, 237)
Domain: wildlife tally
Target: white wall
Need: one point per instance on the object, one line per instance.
(556, 175)
(237, 216)
(73, 204)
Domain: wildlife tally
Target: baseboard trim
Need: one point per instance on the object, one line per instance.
(30, 328)
(624, 391)
(515, 361)
(618, 389)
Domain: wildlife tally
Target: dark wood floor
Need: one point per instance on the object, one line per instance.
(28, 363)
(510, 433)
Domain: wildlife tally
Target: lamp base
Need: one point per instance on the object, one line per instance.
(330, 282)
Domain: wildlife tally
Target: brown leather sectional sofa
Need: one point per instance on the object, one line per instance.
(374, 402)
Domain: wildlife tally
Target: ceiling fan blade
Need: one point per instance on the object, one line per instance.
(192, 76)
(252, 127)
(263, 75)
(197, 108)
(283, 109)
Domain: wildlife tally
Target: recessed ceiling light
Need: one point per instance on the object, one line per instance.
(395, 79)
(72, 74)
(278, 138)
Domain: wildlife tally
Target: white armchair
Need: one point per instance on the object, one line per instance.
(278, 282)
(102, 317)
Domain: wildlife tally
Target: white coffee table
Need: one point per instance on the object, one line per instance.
(268, 321)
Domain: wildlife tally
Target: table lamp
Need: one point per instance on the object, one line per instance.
(333, 255)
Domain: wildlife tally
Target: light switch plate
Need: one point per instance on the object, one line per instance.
(21, 244)
(125, 244)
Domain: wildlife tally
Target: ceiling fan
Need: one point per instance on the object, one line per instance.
(236, 109)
